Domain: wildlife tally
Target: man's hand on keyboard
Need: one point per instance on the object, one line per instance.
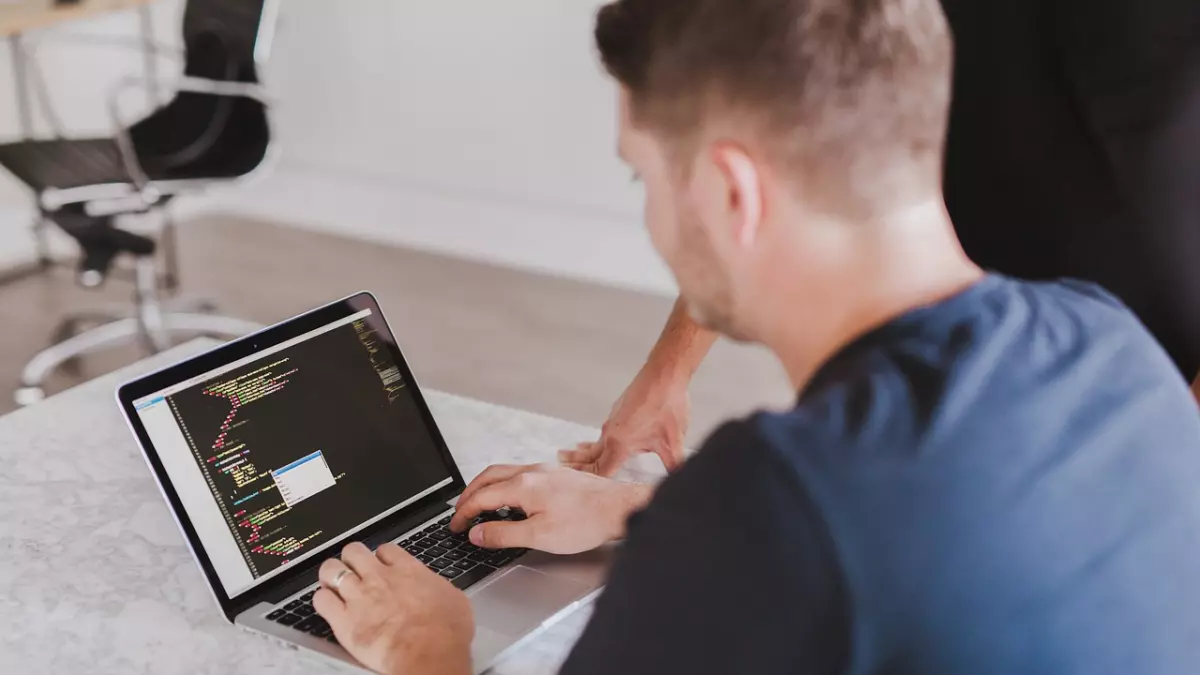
(393, 614)
(567, 511)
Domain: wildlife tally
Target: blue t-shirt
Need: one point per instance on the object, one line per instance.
(1004, 482)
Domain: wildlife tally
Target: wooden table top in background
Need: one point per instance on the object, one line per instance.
(21, 16)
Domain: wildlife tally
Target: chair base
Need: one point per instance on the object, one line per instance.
(152, 323)
(117, 332)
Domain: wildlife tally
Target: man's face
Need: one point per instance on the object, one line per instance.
(678, 216)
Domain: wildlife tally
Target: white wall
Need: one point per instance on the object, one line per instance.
(498, 99)
(480, 128)
(476, 127)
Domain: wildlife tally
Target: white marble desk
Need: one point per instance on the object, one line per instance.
(95, 577)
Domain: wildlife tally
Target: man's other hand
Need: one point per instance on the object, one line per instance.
(393, 614)
(567, 511)
(651, 416)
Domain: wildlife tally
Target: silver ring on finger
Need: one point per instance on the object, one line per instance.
(336, 584)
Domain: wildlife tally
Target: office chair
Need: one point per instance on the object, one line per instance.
(214, 131)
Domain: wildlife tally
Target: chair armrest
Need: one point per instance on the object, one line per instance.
(197, 85)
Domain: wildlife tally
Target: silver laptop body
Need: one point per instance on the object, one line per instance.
(520, 594)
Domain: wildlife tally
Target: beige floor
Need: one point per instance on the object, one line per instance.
(550, 345)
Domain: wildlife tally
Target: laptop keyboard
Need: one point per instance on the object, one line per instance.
(449, 554)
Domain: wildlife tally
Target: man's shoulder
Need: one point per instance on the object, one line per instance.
(998, 367)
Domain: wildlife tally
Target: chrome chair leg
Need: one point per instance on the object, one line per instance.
(41, 239)
(152, 322)
(149, 311)
(40, 366)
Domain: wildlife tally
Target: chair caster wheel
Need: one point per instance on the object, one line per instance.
(26, 396)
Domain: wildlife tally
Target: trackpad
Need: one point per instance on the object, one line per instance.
(522, 599)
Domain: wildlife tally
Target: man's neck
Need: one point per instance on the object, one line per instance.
(909, 261)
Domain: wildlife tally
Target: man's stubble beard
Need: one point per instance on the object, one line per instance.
(708, 293)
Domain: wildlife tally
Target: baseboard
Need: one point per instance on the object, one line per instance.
(583, 247)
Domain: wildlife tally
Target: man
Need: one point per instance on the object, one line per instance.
(980, 475)
(1074, 151)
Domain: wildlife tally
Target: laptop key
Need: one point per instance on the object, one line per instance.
(305, 610)
(307, 597)
(439, 535)
(480, 556)
(439, 564)
(332, 638)
(455, 555)
(293, 605)
(275, 615)
(412, 550)
(450, 572)
(305, 624)
(445, 521)
(471, 577)
(288, 619)
(323, 631)
(436, 552)
(427, 543)
(425, 559)
(465, 564)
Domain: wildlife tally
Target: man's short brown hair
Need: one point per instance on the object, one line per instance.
(853, 93)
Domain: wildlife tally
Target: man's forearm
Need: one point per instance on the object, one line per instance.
(682, 346)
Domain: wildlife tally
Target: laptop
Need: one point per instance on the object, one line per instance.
(276, 450)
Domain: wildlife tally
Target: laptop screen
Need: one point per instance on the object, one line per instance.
(278, 455)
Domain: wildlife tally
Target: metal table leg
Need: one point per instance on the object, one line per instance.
(149, 50)
(21, 80)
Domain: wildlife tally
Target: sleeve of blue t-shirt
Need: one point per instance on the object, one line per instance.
(730, 569)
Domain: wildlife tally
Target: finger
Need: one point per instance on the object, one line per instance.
(359, 558)
(490, 498)
(347, 588)
(490, 476)
(672, 456)
(611, 461)
(391, 554)
(584, 453)
(504, 534)
(331, 607)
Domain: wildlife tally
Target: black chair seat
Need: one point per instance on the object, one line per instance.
(64, 164)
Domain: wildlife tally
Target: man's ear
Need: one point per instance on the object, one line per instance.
(743, 191)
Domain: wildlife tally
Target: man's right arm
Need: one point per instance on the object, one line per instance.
(653, 413)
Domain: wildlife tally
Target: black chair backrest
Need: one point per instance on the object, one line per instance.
(235, 23)
(201, 135)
